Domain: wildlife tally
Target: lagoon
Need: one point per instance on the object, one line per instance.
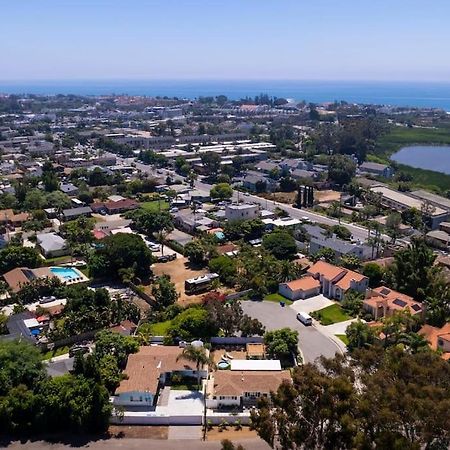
(431, 157)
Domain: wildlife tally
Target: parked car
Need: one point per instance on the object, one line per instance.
(304, 318)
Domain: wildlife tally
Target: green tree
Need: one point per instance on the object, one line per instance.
(192, 323)
(221, 191)
(35, 199)
(282, 343)
(281, 244)
(341, 169)
(195, 251)
(211, 163)
(164, 292)
(353, 302)
(359, 335)
(225, 267)
(374, 272)
(199, 356)
(14, 256)
(122, 251)
(393, 222)
(20, 364)
(413, 271)
(326, 254)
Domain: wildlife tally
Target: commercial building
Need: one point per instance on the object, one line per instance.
(400, 201)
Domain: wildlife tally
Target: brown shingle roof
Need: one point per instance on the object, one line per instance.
(145, 367)
(228, 382)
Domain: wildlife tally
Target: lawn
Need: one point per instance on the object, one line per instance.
(56, 352)
(331, 314)
(343, 338)
(155, 205)
(277, 298)
(160, 328)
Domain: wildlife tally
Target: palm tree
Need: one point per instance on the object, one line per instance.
(197, 355)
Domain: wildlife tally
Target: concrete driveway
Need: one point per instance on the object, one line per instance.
(311, 304)
(311, 341)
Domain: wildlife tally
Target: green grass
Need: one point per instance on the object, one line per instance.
(343, 338)
(277, 298)
(56, 352)
(56, 261)
(160, 328)
(184, 387)
(331, 314)
(155, 205)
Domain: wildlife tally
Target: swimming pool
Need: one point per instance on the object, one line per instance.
(65, 273)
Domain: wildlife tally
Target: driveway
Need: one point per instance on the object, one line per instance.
(311, 341)
(311, 304)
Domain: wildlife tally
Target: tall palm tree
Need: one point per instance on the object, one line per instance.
(197, 355)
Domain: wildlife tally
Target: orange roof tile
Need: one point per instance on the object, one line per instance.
(304, 284)
(326, 270)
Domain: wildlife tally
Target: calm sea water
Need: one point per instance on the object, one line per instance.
(386, 93)
(425, 157)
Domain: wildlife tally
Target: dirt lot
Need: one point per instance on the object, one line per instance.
(138, 432)
(179, 271)
(284, 197)
(326, 196)
(232, 434)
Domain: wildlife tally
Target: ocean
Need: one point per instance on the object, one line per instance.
(419, 94)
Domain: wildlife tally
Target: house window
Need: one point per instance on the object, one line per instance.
(252, 394)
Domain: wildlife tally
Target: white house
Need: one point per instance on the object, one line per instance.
(234, 389)
(241, 212)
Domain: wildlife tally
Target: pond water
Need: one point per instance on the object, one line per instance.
(431, 157)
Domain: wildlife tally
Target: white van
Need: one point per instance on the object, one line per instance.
(304, 318)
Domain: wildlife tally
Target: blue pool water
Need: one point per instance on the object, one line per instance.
(67, 273)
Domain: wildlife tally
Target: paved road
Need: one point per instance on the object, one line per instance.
(311, 341)
(357, 231)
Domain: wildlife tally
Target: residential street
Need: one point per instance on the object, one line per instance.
(312, 342)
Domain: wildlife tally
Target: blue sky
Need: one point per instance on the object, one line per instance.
(221, 39)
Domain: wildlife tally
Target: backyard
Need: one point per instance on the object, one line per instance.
(155, 205)
(331, 314)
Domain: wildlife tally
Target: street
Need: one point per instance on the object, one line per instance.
(311, 341)
(358, 232)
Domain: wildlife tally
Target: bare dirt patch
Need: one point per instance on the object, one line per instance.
(326, 196)
(285, 197)
(139, 432)
(179, 271)
(231, 433)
